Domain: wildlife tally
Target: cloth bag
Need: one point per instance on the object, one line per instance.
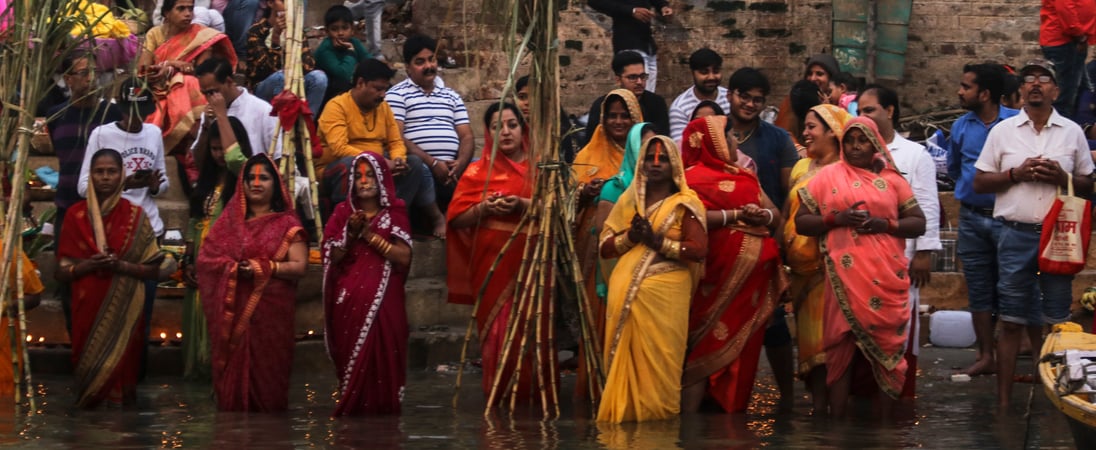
(1063, 245)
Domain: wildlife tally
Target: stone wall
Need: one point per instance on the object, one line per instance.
(773, 35)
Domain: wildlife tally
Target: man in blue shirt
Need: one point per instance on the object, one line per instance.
(980, 91)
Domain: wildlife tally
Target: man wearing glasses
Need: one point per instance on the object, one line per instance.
(1025, 160)
(628, 68)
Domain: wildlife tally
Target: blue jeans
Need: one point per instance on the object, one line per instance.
(315, 84)
(1019, 279)
(1069, 65)
(239, 15)
(979, 237)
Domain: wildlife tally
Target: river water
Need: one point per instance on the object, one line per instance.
(171, 413)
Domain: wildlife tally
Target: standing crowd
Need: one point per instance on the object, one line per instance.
(698, 225)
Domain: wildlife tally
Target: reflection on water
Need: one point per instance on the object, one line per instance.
(173, 414)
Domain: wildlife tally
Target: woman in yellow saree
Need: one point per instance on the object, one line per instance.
(168, 58)
(655, 231)
(822, 131)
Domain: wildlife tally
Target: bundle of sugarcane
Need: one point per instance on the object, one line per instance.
(33, 46)
(296, 140)
(549, 261)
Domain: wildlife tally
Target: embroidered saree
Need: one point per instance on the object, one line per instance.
(107, 308)
(801, 254)
(179, 98)
(742, 280)
(365, 320)
(472, 252)
(647, 311)
(867, 282)
(250, 320)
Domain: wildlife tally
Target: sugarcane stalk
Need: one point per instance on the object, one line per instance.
(517, 305)
(20, 342)
(525, 325)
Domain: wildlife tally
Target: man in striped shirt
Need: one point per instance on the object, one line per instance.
(705, 65)
(432, 118)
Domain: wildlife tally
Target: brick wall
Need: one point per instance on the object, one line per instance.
(775, 36)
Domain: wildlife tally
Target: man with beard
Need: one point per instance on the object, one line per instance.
(774, 153)
(1026, 159)
(629, 73)
(980, 92)
(914, 162)
(359, 121)
(705, 65)
(432, 119)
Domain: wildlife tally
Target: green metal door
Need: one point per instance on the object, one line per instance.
(870, 37)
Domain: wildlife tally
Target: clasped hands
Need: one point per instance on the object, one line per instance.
(642, 232)
(499, 204)
(861, 220)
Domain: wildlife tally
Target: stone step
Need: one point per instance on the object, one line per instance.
(948, 290)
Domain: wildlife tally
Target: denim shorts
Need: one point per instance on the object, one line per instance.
(979, 236)
(1026, 296)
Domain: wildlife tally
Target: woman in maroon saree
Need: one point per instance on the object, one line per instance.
(107, 251)
(743, 277)
(366, 256)
(248, 269)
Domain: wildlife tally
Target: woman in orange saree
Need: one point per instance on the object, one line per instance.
(488, 204)
(743, 278)
(862, 209)
(823, 128)
(657, 233)
(168, 58)
(248, 269)
(108, 250)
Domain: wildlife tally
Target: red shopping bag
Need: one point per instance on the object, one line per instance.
(1063, 245)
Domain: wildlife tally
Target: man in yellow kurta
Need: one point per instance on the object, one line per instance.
(359, 121)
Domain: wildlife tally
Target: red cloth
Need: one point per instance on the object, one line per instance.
(1060, 21)
(471, 253)
(89, 291)
(741, 284)
(288, 108)
(250, 320)
(365, 317)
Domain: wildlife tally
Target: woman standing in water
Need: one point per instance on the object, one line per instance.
(366, 256)
(656, 232)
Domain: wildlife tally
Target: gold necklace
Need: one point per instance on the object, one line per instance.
(741, 140)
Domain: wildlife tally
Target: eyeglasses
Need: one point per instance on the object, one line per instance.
(637, 77)
(1042, 79)
(759, 100)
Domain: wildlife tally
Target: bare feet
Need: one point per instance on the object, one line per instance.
(983, 366)
(439, 222)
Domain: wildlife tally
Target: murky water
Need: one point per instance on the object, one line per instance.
(171, 413)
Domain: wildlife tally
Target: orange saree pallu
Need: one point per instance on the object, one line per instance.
(365, 319)
(251, 321)
(742, 279)
(472, 253)
(107, 308)
(867, 297)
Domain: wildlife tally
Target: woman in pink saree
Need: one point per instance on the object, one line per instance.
(366, 256)
(862, 209)
(248, 269)
(168, 58)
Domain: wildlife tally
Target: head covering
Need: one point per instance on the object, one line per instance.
(616, 185)
(835, 117)
(385, 183)
(100, 207)
(601, 157)
(135, 96)
(279, 186)
(826, 60)
(1040, 64)
(869, 128)
(704, 141)
(670, 152)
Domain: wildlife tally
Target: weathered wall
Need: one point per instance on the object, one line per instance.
(775, 36)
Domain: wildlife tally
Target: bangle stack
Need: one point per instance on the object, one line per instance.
(1011, 177)
(671, 248)
(273, 268)
(623, 244)
(381, 245)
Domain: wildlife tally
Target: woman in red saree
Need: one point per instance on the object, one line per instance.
(862, 209)
(168, 58)
(366, 256)
(108, 250)
(742, 279)
(248, 269)
(487, 207)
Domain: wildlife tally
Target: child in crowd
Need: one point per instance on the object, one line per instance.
(843, 87)
(340, 52)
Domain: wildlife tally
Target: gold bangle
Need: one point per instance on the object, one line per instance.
(72, 270)
(671, 248)
(273, 268)
(623, 244)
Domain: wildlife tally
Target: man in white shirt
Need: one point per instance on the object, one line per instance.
(1025, 160)
(914, 162)
(215, 76)
(706, 66)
